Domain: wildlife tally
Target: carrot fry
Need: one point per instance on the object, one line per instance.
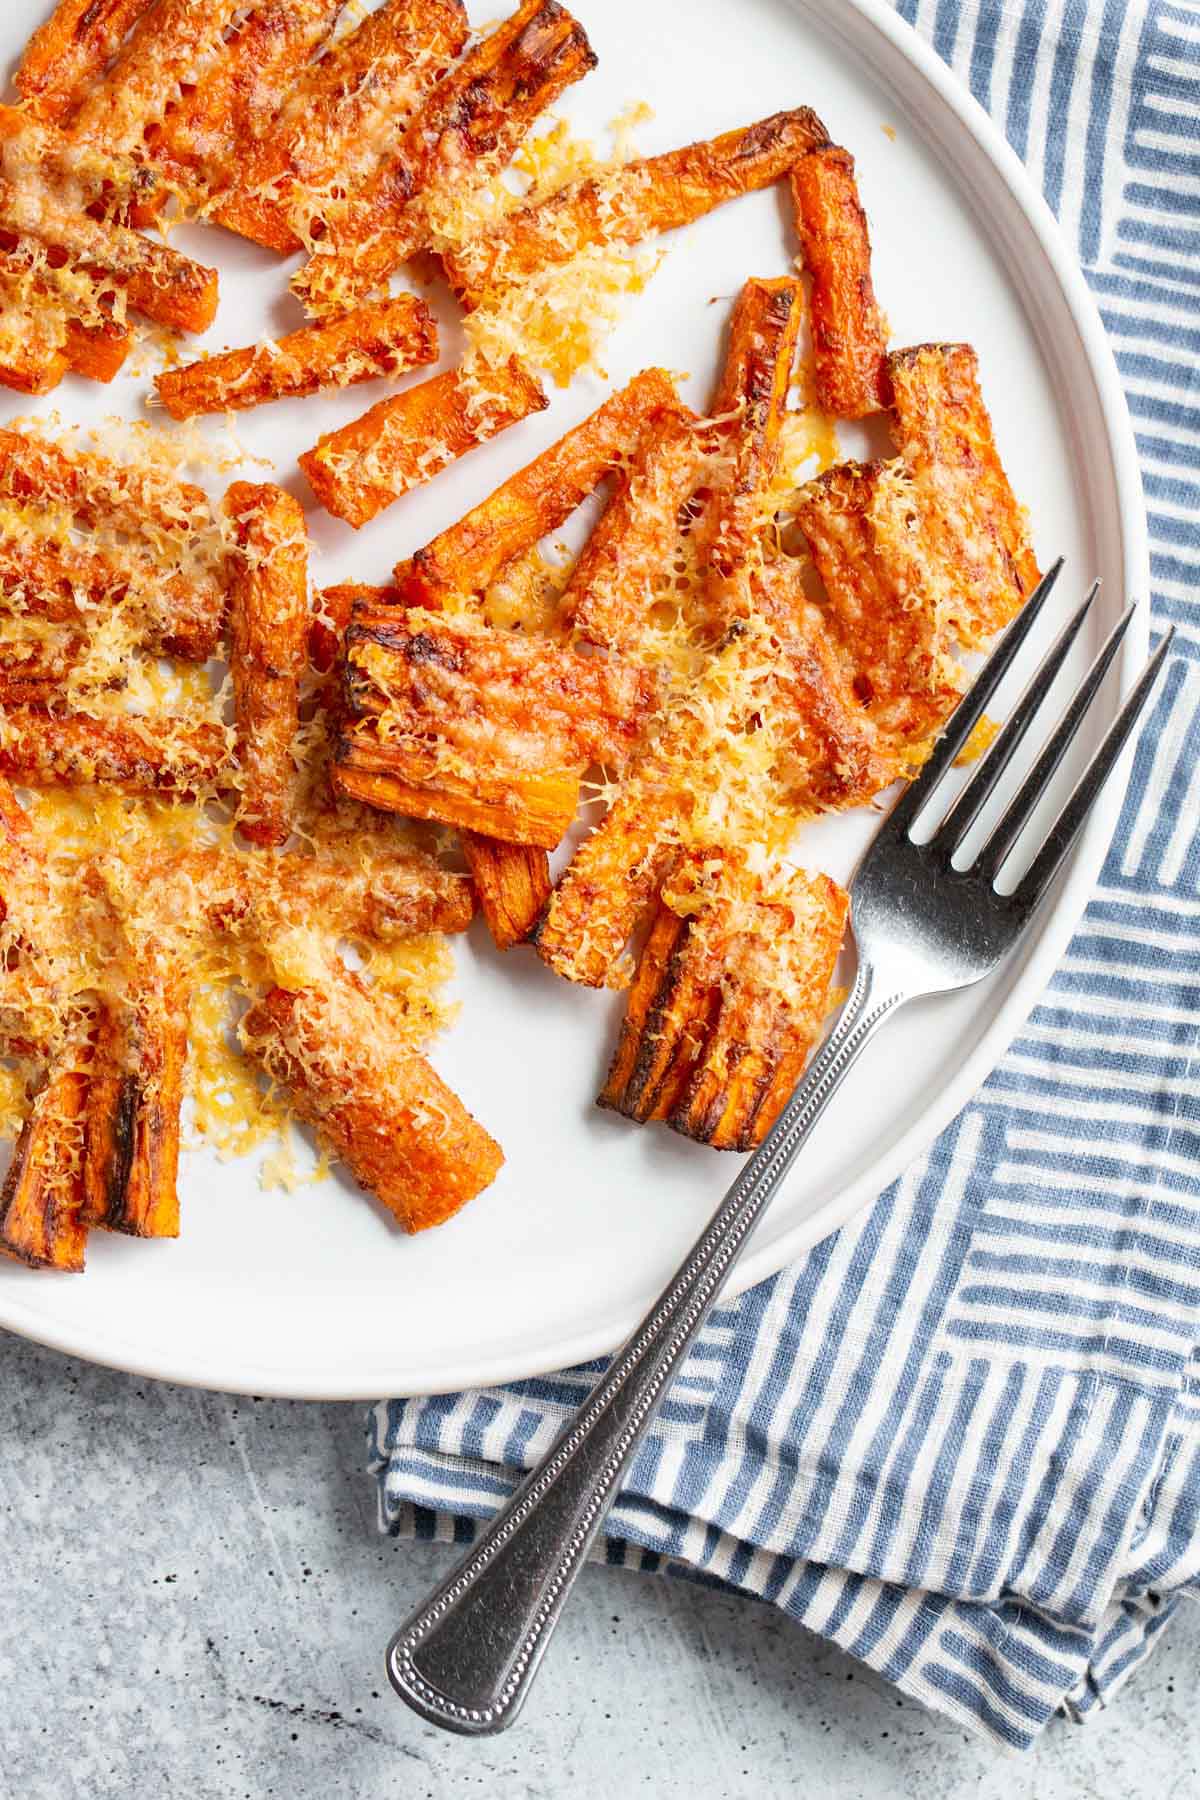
(468, 127)
(468, 557)
(402, 1133)
(513, 885)
(380, 894)
(141, 756)
(166, 286)
(729, 998)
(131, 1156)
(42, 1197)
(97, 351)
(754, 387)
(889, 597)
(166, 48)
(618, 575)
(409, 438)
(976, 527)
(495, 729)
(268, 643)
(388, 337)
(65, 54)
(33, 354)
(327, 136)
(849, 339)
(98, 490)
(657, 193)
(78, 326)
(180, 615)
(220, 119)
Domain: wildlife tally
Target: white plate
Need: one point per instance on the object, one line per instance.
(314, 1295)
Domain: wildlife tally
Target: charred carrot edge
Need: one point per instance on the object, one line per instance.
(467, 558)
(211, 127)
(69, 49)
(469, 126)
(335, 604)
(945, 435)
(338, 102)
(98, 490)
(848, 337)
(657, 193)
(387, 337)
(407, 439)
(512, 882)
(131, 1157)
(41, 1201)
(182, 614)
(411, 1142)
(754, 385)
(268, 633)
(141, 756)
(535, 809)
(612, 585)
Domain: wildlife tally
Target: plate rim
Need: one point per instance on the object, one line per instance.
(899, 39)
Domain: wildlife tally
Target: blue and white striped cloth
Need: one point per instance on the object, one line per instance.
(962, 1438)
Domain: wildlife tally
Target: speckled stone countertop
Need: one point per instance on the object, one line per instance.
(196, 1603)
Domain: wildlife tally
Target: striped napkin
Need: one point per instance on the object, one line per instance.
(962, 1438)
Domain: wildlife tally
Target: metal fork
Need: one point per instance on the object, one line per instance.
(465, 1659)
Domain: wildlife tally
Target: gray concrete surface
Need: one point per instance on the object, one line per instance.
(196, 1603)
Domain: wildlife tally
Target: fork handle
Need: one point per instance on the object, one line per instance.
(465, 1659)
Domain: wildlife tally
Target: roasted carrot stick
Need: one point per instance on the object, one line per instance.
(99, 490)
(70, 50)
(386, 337)
(180, 615)
(131, 1156)
(513, 885)
(468, 556)
(327, 136)
(215, 124)
(468, 128)
(849, 342)
(142, 756)
(409, 438)
(167, 46)
(977, 529)
(657, 193)
(402, 1133)
(42, 1198)
(268, 616)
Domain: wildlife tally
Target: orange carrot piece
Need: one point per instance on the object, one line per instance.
(70, 50)
(849, 341)
(466, 558)
(468, 128)
(409, 438)
(268, 620)
(387, 337)
(652, 194)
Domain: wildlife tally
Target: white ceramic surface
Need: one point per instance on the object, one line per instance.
(313, 1294)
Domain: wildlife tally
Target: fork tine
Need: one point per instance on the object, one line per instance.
(1016, 816)
(1066, 827)
(974, 796)
(969, 710)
